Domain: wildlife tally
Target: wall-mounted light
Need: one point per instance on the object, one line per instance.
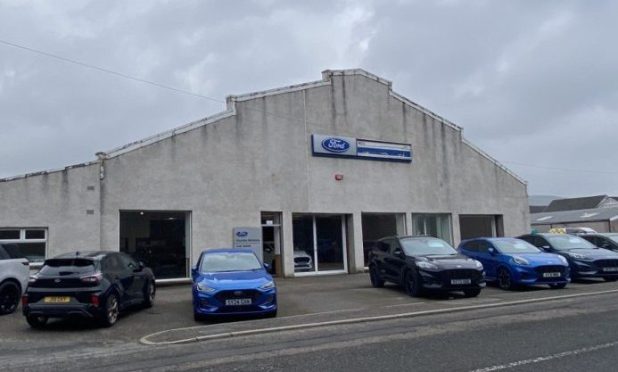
(338, 177)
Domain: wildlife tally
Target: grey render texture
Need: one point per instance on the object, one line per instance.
(256, 156)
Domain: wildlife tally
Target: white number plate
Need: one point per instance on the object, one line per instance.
(610, 269)
(461, 281)
(551, 275)
(238, 301)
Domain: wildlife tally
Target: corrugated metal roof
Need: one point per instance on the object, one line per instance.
(595, 214)
(572, 204)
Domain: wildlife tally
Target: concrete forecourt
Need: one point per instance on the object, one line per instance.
(307, 304)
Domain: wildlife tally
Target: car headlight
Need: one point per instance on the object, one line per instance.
(578, 256)
(268, 285)
(520, 260)
(478, 264)
(201, 287)
(426, 265)
(564, 260)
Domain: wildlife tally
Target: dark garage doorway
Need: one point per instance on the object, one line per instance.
(159, 239)
(477, 226)
(380, 225)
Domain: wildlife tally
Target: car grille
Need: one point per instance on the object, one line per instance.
(461, 274)
(245, 293)
(302, 260)
(606, 263)
(549, 269)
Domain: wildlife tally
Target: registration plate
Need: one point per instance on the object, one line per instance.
(56, 299)
(551, 275)
(610, 269)
(461, 281)
(238, 301)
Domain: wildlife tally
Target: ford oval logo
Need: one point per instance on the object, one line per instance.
(242, 234)
(337, 145)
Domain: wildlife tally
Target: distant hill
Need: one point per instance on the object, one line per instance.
(542, 200)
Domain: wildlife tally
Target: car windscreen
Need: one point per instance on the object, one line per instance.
(236, 261)
(613, 237)
(426, 247)
(515, 246)
(564, 242)
(67, 266)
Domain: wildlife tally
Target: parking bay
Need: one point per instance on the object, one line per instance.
(306, 300)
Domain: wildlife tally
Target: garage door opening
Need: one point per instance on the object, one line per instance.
(477, 226)
(380, 225)
(159, 239)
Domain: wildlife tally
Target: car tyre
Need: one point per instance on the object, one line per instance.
(9, 297)
(272, 314)
(374, 276)
(473, 292)
(111, 310)
(610, 278)
(149, 294)
(412, 284)
(37, 322)
(505, 281)
(557, 285)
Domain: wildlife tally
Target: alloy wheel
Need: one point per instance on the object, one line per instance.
(112, 309)
(9, 299)
(504, 279)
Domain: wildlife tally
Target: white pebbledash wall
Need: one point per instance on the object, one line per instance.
(256, 156)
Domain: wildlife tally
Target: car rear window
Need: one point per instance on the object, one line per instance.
(67, 266)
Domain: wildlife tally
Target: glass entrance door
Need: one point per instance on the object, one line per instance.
(319, 243)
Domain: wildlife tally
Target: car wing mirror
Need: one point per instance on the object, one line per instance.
(398, 252)
(492, 251)
(545, 247)
(267, 267)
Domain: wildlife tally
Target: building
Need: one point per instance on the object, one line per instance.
(577, 204)
(319, 170)
(599, 219)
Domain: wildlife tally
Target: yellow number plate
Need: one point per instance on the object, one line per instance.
(56, 300)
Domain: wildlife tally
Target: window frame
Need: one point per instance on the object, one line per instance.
(22, 239)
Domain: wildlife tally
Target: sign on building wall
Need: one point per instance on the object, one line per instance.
(325, 145)
(250, 238)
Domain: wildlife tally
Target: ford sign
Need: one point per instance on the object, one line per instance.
(336, 145)
(242, 234)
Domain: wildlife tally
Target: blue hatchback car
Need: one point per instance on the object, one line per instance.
(511, 262)
(232, 282)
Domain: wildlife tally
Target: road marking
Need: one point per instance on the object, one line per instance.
(547, 357)
(408, 304)
(145, 340)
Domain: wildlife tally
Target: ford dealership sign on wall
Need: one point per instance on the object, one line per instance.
(336, 145)
(323, 145)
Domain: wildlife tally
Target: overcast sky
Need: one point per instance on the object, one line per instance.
(533, 83)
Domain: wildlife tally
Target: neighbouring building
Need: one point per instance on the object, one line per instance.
(309, 175)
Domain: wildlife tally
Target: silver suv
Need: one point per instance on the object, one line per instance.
(14, 274)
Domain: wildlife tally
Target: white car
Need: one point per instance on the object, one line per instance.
(14, 274)
(302, 261)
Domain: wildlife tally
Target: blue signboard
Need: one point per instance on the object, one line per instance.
(323, 145)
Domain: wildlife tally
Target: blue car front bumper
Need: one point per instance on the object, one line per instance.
(235, 302)
(532, 275)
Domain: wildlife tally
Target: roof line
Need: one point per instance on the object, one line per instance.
(493, 160)
(49, 171)
(231, 100)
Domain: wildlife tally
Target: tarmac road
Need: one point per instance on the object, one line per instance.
(567, 334)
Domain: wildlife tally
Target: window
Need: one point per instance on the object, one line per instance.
(436, 225)
(31, 243)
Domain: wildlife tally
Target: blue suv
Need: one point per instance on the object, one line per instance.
(232, 282)
(511, 262)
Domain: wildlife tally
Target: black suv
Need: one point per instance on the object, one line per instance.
(421, 263)
(94, 285)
